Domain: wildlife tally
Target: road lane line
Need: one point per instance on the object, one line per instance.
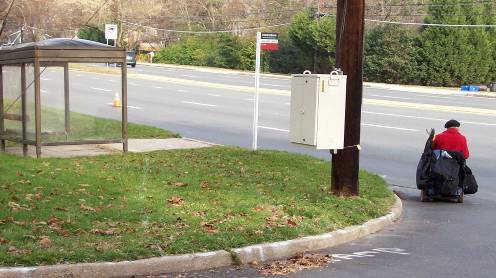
(214, 95)
(425, 118)
(156, 87)
(100, 89)
(129, 106)
(273, 128)
(364, 124)
(249, 99)
(183, 91)
(430, 107)
(198, 103)
(391, 127)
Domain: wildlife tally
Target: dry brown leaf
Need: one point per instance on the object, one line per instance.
(209, 227)
(19, 174)
(176, 201)
(3, 240)
(60, 209)
(102, 232)
(295, 264)
(204, 184)
(87, 208)
(181, 184)
(291, 222)
(45, 242)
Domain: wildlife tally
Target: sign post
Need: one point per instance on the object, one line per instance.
(268, 42)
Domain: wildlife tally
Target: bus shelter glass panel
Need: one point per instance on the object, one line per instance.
(80, 106)
(12, 105)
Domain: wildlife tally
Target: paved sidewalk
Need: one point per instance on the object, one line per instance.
(135, 146)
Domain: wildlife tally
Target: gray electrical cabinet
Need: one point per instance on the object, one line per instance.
(317, 115)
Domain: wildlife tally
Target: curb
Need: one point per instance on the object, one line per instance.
(202, 261)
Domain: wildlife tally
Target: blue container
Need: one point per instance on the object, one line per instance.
(473, 88)
(465, 87)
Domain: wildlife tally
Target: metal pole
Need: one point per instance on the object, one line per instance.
(349, 57)
(37, 106)
(66, 100)
(124, 107)
(23, 109)
(2, 125)
(257, 85)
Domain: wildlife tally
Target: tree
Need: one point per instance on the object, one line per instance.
(315, 39)
(391, 54)
(91, 33)
(453, 56)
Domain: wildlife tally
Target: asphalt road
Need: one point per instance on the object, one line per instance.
(441, 239)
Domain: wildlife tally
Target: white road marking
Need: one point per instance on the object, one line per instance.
(157, 87)
(381, 126)
(425, 118)
(44, 91)
(100, 89)
(287, 103)
(249, 99)
(214, 95)
(197, 103)
(393, 97)
(187, 75)
(129, 106)
(112, 81)
(391, 127)
(273, 128)
(183, 91)
(368, 253)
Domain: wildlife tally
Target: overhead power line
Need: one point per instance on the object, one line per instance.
(206, 32)
(433, 24)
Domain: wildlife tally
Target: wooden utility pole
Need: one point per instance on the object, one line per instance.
(349, 57)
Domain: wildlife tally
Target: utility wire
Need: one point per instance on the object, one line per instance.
(205, 32)
(433, 24)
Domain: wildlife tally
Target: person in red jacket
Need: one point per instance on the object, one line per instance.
(451, 139)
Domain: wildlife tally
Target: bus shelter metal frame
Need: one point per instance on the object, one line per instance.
(59, 55)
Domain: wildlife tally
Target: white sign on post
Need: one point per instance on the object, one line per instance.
(257, 85)
(267, 42)
(111, 31)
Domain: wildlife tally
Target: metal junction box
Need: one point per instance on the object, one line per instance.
(318, 104)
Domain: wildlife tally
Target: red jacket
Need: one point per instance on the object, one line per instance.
(451, 140)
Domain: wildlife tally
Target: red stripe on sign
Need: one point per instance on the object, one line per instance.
(270, 46)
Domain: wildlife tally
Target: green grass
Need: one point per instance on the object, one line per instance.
(82, 127)
(133, 206)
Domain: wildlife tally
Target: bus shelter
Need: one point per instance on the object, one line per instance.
(36, 110)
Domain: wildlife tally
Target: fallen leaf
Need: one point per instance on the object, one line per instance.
(3, 240)
(87, 208)
(291, 222)
(204, 184)
(19, 174)
(209, 227)
(295, 264)
(45, 242)
(181, 184)
(102, 232)
(176, 201)
(60, 209)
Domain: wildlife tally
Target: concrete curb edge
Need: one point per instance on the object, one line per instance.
(202, 261)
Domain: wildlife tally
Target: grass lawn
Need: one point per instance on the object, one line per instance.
(125, 207)
(82, 126)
